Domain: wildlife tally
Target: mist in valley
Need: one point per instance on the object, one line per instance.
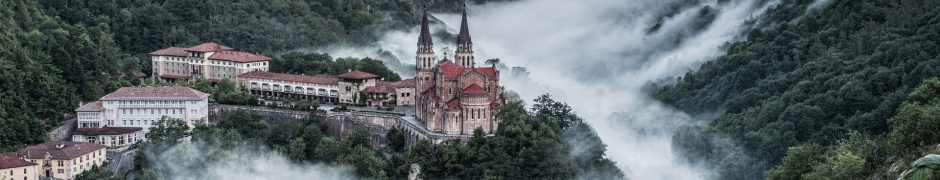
(599, 56)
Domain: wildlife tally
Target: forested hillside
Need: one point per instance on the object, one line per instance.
(46, 67)
(813, 79)
(55, 54)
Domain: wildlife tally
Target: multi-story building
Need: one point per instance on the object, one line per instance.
(126, 115)
(405, 92)
(324, 88)
(58, 159)
(327, 88)
(14, 168)
(456, 97)
(208, 60)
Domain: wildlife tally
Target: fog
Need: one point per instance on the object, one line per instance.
(597, 55)
(202, 161)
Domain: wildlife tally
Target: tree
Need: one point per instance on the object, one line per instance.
(492, 62)
(246, 124)
(168, 131)
(202, 84)
(97, 173)
(296, 151)
(226, 86)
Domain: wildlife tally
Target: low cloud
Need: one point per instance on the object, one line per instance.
(597, 55)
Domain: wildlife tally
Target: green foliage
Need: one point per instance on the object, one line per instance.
(296, 149)
(144, 26)
(816, 78)
(528, 145)
(247, 125)
(918, 121)
(396, 139)
(97, 173)
(168, 131)
(295, 62)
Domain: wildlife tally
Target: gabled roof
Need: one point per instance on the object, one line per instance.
(358, 75)
(237, 56)
(209, 47)
(63, 150)
(379, 89)
(474, 89)
(489, 71)
(139, 74)
(453, 104)
(171, 51)
(106, 131)
(155, 93)
(7, 162)
(318, 79)
(93, 106)
(407, 83)
(449, 69)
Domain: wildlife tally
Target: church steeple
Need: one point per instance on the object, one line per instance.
(425, 57)
(464, 55)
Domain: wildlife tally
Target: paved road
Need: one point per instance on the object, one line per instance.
(122, 161)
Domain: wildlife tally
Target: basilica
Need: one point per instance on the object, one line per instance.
(455, 95)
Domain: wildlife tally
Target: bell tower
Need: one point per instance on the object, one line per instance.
(424, 66)
(464, 54)
(425, 58)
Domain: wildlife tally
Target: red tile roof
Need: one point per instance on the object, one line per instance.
(474, 89)
(209, 47)
(453, 104)
(147, 93)
(106, 131)
(93, 106)
(358, 75)
(139, 74)
(7, 162)
(237, 56)
(494, 105)
(489, 71)
(68, 150)
(173, 76)
(450, 69)
(318, 79)
(407, 83)
(381, 87)
(171, 51)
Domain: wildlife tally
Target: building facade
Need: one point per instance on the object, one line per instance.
(59, 159)
(14, 168)
(124, 117)
(455, 97)
(324, 88)
(208, 60)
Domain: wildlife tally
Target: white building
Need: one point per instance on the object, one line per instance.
(208, 60)
(126, 115)
(324, 88)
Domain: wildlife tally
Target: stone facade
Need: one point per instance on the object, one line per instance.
(454, 98)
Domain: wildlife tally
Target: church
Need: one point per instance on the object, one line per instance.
(456, 96)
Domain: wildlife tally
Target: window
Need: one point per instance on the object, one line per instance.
(60, 163)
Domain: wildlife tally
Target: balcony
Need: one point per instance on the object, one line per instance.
(151, 105)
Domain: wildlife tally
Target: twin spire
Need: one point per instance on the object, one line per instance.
(464, 53)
